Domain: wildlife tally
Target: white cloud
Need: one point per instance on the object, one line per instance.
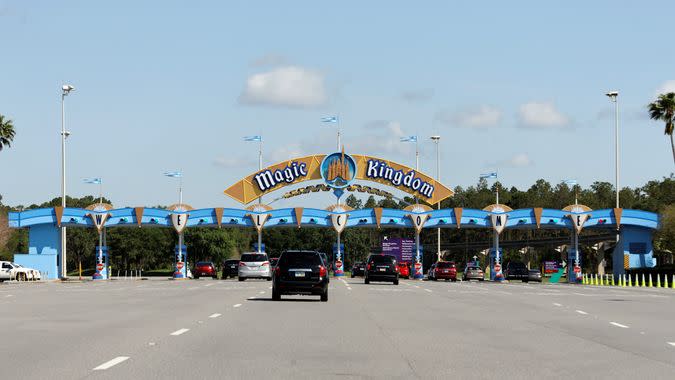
(289, 86)
(271, 59)
(483, 116)
(381, 137)
(232, 162)
(667, 86)
(518, 161)
(418, 96)
(541, 115)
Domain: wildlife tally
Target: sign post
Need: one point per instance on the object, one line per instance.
(179, 221)
(339, 222)
(498, 225)
(418, 220)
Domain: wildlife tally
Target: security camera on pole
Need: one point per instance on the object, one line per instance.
(418, 267)
(66, 89)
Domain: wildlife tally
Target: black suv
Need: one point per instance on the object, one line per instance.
(381, 268)
(230, 268)
(300, 272)
(516, 270)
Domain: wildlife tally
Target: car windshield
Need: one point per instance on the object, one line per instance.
(382, 259)
(473, 268)
(445, 264)
(202, 263)
(517, 265)
(292, 259)
(253, 257)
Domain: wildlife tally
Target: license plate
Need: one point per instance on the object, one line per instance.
(382, 269)
(299, 274)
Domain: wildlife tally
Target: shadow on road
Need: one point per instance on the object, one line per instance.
(286, 299)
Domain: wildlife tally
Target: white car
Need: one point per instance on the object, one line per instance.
(13, 271)
(254, 265)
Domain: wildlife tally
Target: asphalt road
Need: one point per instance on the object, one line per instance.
(227, 329)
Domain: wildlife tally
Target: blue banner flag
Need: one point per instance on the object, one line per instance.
(409, 139)
(173, 174)
(329, 119)
(489, 175)
(252, 138)
(93, 181)
(570, 182)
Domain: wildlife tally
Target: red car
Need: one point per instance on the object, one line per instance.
(205, 269)
(445, 270)
(403, 270)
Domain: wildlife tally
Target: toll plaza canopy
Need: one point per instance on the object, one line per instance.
(312, 217)
(338, 171)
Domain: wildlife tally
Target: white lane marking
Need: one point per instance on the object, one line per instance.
(581, 312)
(270, 287)
(151, 343)
(263, 292)
(348, 288)
(618, 325)
(9, 295)
(417, 286)
(556, 304)
(671, 343)
(111, 363)
(179, 332)
(427, 290)
(215, 315)
(237, 305)
(207, 285)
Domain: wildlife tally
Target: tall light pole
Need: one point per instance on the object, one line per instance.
(66, 89)
(614, 97)
(437, 140)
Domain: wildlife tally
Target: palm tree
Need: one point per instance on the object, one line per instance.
(664, 109)
(6, 132)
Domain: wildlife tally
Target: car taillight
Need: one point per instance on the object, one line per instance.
(322, 271)
(242, 264)
(277, 271)
(266, 263)
(368, 266)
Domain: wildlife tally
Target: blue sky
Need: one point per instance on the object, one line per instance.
(516, 87)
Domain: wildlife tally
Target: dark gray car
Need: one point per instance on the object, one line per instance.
(534, 275)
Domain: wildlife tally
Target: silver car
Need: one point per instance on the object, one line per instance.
(254, 265)
(472, 272)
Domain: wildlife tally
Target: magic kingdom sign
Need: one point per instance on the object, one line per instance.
(338, 170)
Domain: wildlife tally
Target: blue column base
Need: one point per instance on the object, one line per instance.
(102, 273)
(180, 267)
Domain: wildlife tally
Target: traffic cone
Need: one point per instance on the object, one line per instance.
(612, 283)
(595, 279)
(630, 282)
(665, 281)
(658, 281)
(583, 279)
(644, 284)
(650, 280)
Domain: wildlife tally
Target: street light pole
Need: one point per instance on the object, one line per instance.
(66, 88)
(437, 140)
(614, 97)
